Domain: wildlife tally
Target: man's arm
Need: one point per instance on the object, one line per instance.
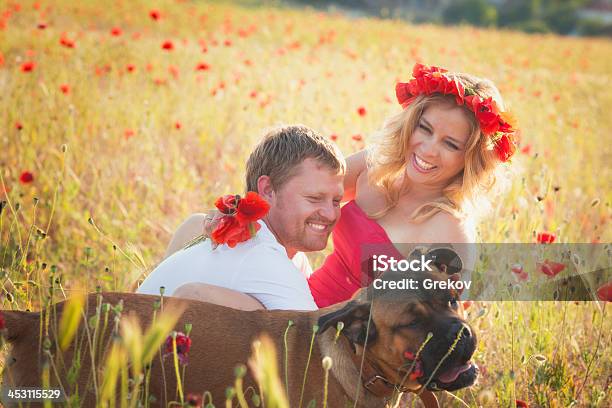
(191, 228)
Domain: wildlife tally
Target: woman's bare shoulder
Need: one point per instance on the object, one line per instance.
(446, 227)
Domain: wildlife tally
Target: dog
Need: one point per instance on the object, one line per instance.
(415, 342)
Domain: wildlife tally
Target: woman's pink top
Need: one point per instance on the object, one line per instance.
(356, 238)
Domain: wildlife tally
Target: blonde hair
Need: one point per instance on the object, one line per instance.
(283, 148)
(467, 193)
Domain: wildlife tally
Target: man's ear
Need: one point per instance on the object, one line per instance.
(355, 316)
(264, 188)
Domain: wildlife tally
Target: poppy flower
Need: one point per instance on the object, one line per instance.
(67, 42)
(28, 66)
(519, 273)
(26, 177)
(550, 268)
(116, 31)
(194, 400)
(18, 125)
(65, 88)
(226, 204)
(253, 94)
(504, 148)
(202, 66)
(251, 208)
(177, 125)
(467, 304)
(130, 67)
(183, 344)
(227, 43)
(155, 15)
(521, 404)
(604, 293)
(231, 232)
(41, 26)
(361, 111)
(128, 133)
(357, 137)
(545, 237)
(168, 45)
(333, 137)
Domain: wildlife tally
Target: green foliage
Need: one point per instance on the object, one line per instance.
(475, 12)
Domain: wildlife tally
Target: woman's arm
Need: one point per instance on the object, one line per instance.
(355, 165)
(191, 228)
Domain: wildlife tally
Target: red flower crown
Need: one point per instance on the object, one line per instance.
(493, 123)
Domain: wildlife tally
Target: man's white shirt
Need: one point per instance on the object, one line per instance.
(258, 267)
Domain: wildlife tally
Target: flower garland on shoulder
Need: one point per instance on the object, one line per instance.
(494, 124)
(238, 222)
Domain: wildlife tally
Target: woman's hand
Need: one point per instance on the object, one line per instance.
(211, 220)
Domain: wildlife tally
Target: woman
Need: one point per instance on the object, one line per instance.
(423, 181)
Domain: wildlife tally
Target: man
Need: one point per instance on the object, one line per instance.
(300, 174)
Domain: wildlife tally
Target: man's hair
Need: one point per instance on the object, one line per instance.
(284, 148)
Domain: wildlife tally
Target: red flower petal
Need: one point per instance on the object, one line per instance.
(252, 208)
(550, 268)
(604, 293)
(545, 237)
(26, 177)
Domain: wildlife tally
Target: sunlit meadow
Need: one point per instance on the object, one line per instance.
(121, 118)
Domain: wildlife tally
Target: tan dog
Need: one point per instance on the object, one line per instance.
(392, 328)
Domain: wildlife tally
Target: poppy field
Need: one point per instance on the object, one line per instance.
(119, 119)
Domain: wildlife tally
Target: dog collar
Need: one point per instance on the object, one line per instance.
(382, 387)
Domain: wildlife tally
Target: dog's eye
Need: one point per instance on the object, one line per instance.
(412, 325)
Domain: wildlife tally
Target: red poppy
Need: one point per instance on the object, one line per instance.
(550, 268)
(130, 67)
(227, 43)
(521, 404)
(116, 31)
(504, 148)
(128, 133)
(357, 137)
(183, 344)
(333, 137)
(18, 125)
(194, 400)
(226, 204)
(202, 66)
(67, 42)
(65, 88)
(361, 111)
(28, 66)
(177, 125)
(604, 293)
(155, 15)
(26, 177)
(168, 45)
(231, 232)
(251, 208)
(41, 26)
(253, 94)
(545, 237)
(467, 304)
(519, 273)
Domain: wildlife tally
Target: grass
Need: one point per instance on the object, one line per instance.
(145, 136)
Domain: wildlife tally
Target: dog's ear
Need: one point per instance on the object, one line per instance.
(355, 316)
(446, 260)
